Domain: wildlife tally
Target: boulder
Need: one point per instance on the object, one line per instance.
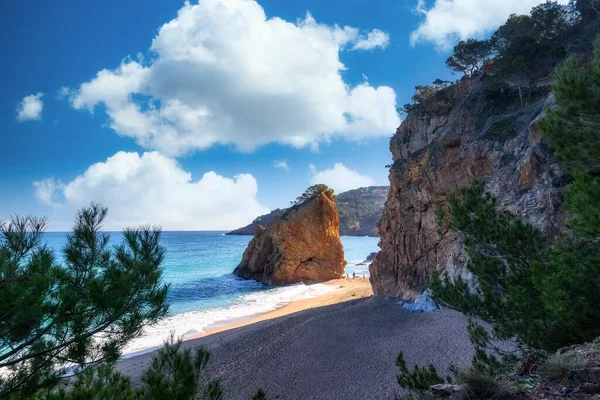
(301, 245)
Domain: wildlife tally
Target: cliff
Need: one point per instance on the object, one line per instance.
(262, 220)
(359, 211)
(300, 245)
(467, 131)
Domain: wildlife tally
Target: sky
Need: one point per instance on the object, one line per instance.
(202, 115)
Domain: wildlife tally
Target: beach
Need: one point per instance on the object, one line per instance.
(341, 345)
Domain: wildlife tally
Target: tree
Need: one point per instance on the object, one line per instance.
(516, 26)
(79, 313)
(589, 9)
(530, 46)
(311, 193)
(174, 374)
(504, 253)
(573, 131)
(468, 57)
(551, 22)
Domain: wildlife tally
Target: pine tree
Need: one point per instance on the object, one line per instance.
(571, 286)
(79, 313)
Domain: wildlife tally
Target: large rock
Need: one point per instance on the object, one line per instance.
(443, 148)
(301, 245)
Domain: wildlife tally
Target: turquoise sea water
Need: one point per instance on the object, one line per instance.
(203, 290)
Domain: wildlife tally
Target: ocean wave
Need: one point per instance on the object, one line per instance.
(195, 323)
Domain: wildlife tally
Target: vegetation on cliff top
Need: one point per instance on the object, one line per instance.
(519, 57)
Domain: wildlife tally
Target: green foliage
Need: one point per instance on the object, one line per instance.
(259, 395)
(420, 379)
(503, 252)
(360, 208)
(469, 56)
(423, 93)
(546, 297)
(174, 374)
(528, 46)
(572, 129)
(311, 193)
(100, 383)
(80, 313)
(589, 9)
(572, 284)
(502, 130)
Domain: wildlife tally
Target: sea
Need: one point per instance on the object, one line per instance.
(204, 293)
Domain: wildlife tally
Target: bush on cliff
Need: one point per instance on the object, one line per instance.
(311, 193)
(468, 56)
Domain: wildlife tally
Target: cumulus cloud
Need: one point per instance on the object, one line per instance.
(154, 189)
(448, 21)
(372, 40)
(222, 72)
(45, 190)
(30, 108)
(340, 178)
(282, 164)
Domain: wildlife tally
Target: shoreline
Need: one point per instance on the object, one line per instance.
(340, 345)
(346, 289)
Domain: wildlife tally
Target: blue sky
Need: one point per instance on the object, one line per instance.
(220, 88)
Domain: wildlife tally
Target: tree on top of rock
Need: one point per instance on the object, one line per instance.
(312, 192)
(469, 56)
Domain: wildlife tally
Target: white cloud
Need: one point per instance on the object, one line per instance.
(448, 21)
(154, 189)
(281, 164)
(221, 72)
(30, 108)
(372, 40)
(340, 178)
(45, 189)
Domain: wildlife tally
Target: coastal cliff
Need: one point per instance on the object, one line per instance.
(466, 131)
(359, 211)
(300, 245)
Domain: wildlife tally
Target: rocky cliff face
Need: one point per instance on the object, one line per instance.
(301, 245)
(436, 150)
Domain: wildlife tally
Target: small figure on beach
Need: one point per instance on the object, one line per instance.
(353, 275)
(347, 276)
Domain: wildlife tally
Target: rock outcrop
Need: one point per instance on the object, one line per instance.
(467, 134)
(359, 211)
(300, 245)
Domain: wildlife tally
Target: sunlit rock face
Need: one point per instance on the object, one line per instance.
(301, 245)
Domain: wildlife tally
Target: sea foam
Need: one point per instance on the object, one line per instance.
(192, 324)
